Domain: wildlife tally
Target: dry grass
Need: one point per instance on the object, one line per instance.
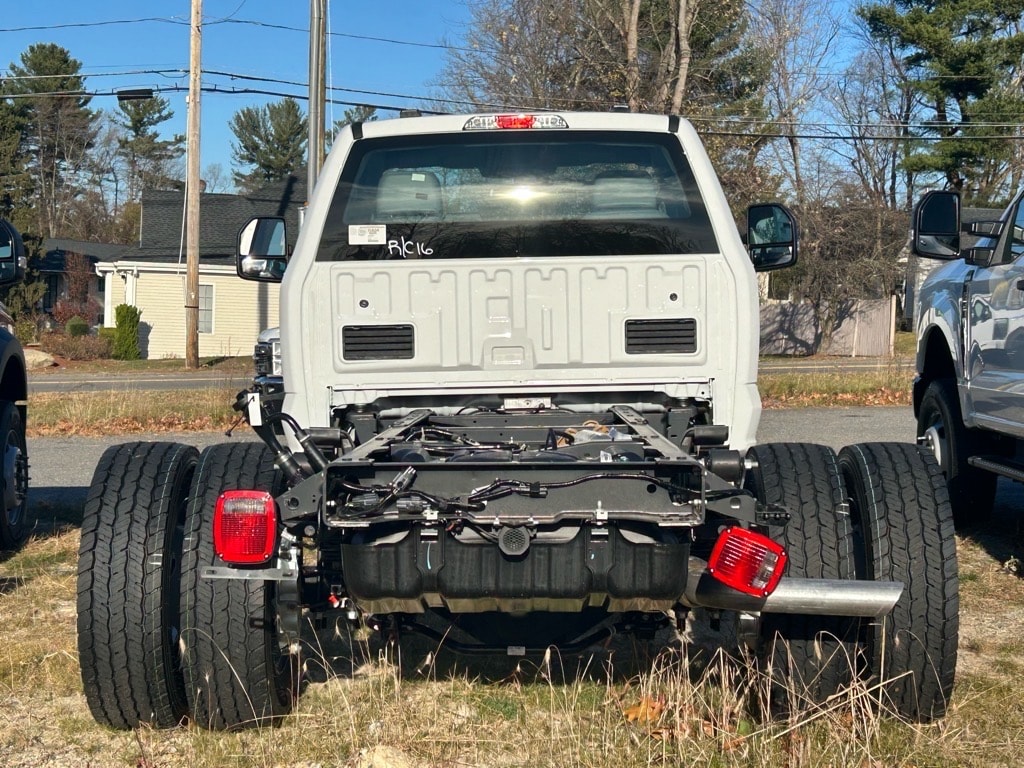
(229, 366)
(364, 706)
(130, 411)
(889, 384)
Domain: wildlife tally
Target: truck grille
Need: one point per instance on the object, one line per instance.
(378, 342)
(661, 336)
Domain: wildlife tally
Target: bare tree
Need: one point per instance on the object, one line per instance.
(875, 106)
(589, 54)
(799, 37)
(519, 53)
(216, 178)
(688, 57)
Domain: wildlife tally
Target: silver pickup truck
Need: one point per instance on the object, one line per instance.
(969, 390)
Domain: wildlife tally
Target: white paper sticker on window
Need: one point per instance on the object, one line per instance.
(367, 234)
(419, 177)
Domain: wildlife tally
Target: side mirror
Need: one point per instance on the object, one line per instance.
(262, 252)
(936, 228)
(13, 260)
(772, 236)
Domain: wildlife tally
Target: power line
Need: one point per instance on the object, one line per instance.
(16, 78)
(246, 22)
(353, 36)
(87, 24)
(895, 138)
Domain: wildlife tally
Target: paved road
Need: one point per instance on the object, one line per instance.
(60, 381)
(99, 382)
(62, 467)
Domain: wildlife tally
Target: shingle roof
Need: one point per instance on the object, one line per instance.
(221, 216)
(56, 249)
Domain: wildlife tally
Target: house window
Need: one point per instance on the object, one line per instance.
(53, 292)
(206, 309)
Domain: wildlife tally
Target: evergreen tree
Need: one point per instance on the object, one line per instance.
(359, 113)
(964, 57)
(146, 155)
(271, 143)
(57, 129)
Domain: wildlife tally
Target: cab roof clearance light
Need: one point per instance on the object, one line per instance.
(747, 561)
(514, 122)
(245, 527)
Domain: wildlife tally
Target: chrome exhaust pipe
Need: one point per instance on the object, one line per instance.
(821, 597)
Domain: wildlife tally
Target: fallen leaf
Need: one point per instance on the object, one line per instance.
(647, 711)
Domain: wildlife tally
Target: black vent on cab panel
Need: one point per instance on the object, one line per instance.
(663, 336)
(378, 342)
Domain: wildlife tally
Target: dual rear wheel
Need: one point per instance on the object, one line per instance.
(159, 643)
(875, 511)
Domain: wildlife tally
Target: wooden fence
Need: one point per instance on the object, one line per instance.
(865, 328)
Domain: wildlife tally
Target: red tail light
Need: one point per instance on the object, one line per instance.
(245, 527)
(747, 561)
(514, 122)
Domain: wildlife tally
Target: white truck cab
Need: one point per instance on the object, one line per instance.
(517, 409)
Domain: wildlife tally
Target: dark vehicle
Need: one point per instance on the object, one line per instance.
(13, 393)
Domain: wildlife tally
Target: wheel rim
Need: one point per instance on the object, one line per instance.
(15, 478)
(934, 439)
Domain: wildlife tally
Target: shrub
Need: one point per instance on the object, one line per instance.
(75, 347)
(64, 310)
(76, 326)
(107, 333)
(25, 330)
(126, 336)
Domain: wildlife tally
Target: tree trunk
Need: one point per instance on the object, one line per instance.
(687, 12)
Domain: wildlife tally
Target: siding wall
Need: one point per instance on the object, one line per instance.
(241, 309)
(113, 295)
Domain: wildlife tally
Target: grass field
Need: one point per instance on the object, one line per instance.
(628, 706)
(410, 707)
(130, 410)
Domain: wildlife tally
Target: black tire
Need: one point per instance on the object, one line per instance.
(128, 578)
(809, 658)
(900, 507)
(940, 424)
(236, 673)
(14, 498)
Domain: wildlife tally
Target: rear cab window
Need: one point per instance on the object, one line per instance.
(502, 194)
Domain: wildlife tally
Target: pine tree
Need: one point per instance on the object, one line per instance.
(15, 183)
(57, 129)
(965, 57)
(143, 151)
(271, 143)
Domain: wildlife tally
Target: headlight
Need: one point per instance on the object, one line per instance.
(266, 357)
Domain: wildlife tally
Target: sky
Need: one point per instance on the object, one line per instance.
(116, 38)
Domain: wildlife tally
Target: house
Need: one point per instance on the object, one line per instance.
(57, 261)
(151, 276)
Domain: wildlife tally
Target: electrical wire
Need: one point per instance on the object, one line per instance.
(894, 138)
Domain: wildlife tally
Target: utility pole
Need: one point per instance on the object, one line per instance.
(192, 191)
(317, 93)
